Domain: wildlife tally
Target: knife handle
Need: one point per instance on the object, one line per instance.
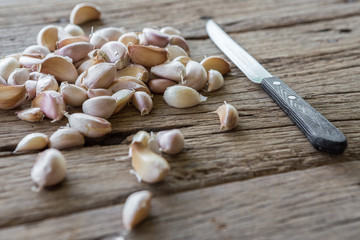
(322, 134)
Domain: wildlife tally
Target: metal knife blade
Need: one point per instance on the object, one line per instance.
(322, 134)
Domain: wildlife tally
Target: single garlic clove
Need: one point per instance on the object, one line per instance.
(66, 138)
(175, 51)
(171, 70)
(76, 51)
(147, 56)
(30, 62)
(101, 75)
(122, 98)
(86, 65)
(171, 141)
(116, 53)
(155, 37)
(142, 137)
(2, 81)
(134, 70)
(142, 102)
(48, 37)
(179, 41)
(88, 125)
(183, 59)
(32, 142)
(7, 66)
(77, 64)
(136, 208)
(51, 104)
(182, 97)
(31, 115)
(129, 82)
(215, 81)
(12, 96)
(170, 31)
(159, 85)
(74, 30)
(36, 51)
(14, 55)
(84, 12)
(49, 169)
(46, 83)
(97, 92)
(111, 33)
(60, 67)
(19, 76)
(228, 115)
(216, 63)
(97, 40)
(30, 86)
(129, 38)
(36, 75)
(103, 106)
(196, 75)
(73, 95)
(73, 39)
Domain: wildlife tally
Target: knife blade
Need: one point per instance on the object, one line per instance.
(322, 134)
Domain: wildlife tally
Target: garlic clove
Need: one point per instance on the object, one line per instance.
(74, 30)
(31, 115)
(103, 106)
(49, 169)
(84, 12)
(12, 96)
(216, 63)
(136, 208)
(19, 76)
(179, 41)
(101, 75)
(122, 98)
(14, 55)
(159, 85)
(86, 65)
(73, 95)
(65, 138)
(97, 40)
(32, 142)
(88, 125)
(60, 68)
(76, 51)
(215, 81)
(142, 137)
(2, 81)
(134, 70)
(170, 31)
(155, 37)
(51, 104)
(30, 62)
(129, 82)
(129, 38)
(147, 56)
(97, 92)
(116, 53)
(175, 51)
(7, 66)
(196, 75)
(36, 75)
(111, 33)
(46, 83)
(97, 55)
(173, 70)
(183, 59)
(182, 97)
(36, 51)
(73, 39)
(171, 141)
(228, 115)
(48, 37)
(30, 86)
(142, 102)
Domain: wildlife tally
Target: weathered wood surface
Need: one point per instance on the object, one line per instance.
(312, 45)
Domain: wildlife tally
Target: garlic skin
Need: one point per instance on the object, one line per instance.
(216, 63)
(2, 81)
(31, 115)
(134, 70)
(142, 102)
(65, 138)
(129, 38)
(97, 40)
(155, 38)
(111, 33)
(30, 62)
(88, 125)
(36, 51)
(84, 12)
(48, 37)
(179, 41)
(129, 82)
(19, 76)
(7, 66)
(122, 98)
(147, 56)
(30, 86)
(74, 30)
(136, 208)
(182, 97)
(49, 169)
(103, 106)
(215, 81)
(97, 92)
(86, 65)
(76, 51)
(70, 40)
(73, 95)
(159, 85)
(12, 96)
(101, 75)
(60, 67)
(173, 70)
(196, 75)
(171, 141)
(175, 51)
(116, 53)
(51, 104)
(170, 31)
(31, 142)
(46, 83)
(228, 115)
(183, 59)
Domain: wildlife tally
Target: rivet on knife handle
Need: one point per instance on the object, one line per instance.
(322, 134)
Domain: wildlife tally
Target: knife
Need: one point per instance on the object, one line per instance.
(322, 134)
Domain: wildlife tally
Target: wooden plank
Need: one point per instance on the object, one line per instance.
(320, 203)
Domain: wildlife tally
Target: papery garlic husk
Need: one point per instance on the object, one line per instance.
(216, 63)
(179, 41)
(76, 51)
(155, 37)
(36, 51)
(147, 56)
(122, 98)
(97, 40)
(182, 97)
(60, 67)
(51, 104)
(46, 83)
(175, 51)
(31, 115)
(84, 12)
(88, 125)
(70, 40)
(32, 142)
(134, 70)
(103, 106)
(128, 82)
(142, 102)
(12, 96)
(19, 76)
(65, 138)
(73, 95)
(170, 31)
(2, 81)
(173, 70)
(49, 169)
(196, 75)
(171, 141)
(30, 62)
(101, 75)
(48, 37)
(129, 38)
(98, 55)
(36, 75)
(74, 30)
(159, 85)
(97, 92)
(228, 115)
(30, 86)
(215, 81)
(136, 208)
(7, 66)
(116, 53)
(111, 33)
(183, 59)
(86, 65)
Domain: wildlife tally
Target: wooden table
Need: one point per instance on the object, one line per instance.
(260, 181)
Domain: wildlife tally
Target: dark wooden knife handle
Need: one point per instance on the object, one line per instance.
(322, 134)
